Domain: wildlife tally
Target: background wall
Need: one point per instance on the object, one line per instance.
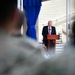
(54, 10)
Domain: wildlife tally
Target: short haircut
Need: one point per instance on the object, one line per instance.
(49, 21)
(7, 7)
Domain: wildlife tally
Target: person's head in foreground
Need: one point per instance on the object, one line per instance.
(11, 18)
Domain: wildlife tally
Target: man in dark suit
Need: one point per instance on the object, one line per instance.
(48, 30)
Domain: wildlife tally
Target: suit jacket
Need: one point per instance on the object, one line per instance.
(45, 33)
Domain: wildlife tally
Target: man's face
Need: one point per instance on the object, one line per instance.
(49, 23)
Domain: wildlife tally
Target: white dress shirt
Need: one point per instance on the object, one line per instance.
(49, 30)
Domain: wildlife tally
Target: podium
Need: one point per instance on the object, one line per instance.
(54, 38)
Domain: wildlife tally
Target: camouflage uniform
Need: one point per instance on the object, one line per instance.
(18, 55)
(62, 64)
(23, 56)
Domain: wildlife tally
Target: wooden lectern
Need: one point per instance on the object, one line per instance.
(52, 37)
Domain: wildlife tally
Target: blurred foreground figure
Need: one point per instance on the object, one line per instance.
(63, 64)
(23, 56)
(18, 55)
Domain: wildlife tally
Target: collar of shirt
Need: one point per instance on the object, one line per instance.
(49, 27)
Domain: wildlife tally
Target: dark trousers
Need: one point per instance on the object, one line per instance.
(51, 44)
(52, 49)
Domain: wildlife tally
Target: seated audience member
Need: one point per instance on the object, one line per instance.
(63, 64)
(18, 55)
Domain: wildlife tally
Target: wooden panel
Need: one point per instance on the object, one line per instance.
(53, 37)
